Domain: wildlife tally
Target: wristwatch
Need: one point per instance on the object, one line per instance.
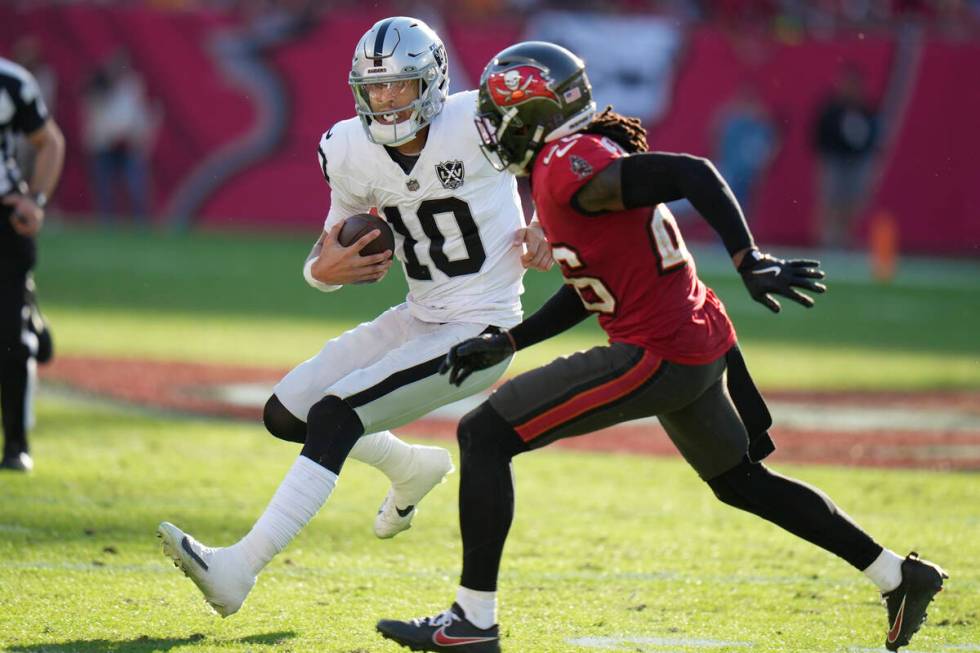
(40, 199)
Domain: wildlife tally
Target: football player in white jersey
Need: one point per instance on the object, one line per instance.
(413, 154)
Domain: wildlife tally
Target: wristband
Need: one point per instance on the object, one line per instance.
(40, 199)
(319, 285)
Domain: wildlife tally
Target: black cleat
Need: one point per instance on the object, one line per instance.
(448, 632)
(17, 462)
(907, 603)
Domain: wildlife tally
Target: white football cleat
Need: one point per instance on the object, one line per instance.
(430, 465)
(220, 574)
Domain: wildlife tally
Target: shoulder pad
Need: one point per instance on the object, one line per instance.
(334, 144)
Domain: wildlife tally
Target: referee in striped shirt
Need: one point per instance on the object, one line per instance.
(22, 203)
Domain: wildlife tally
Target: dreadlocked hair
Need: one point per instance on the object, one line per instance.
(627, 132)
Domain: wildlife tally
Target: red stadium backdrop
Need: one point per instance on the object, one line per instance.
(926, 176)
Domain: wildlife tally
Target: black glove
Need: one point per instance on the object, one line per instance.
(764, 274)
(476, 354)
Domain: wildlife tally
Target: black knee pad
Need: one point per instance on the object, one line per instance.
(282, 423)
(483, 432)
(737, 485)
(332, 429)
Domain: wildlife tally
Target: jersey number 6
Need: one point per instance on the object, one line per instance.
(593, 293)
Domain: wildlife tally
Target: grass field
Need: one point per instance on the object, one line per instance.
(608, 552)
(241, 299)
(638, 548)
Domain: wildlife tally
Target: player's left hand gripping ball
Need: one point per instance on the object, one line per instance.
(764, 274)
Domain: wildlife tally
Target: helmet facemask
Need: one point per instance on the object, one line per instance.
(507, 143)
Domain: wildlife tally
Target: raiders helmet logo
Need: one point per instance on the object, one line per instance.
(520, 84)
(451, 174)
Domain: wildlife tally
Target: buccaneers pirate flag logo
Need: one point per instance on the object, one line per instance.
(520, 84)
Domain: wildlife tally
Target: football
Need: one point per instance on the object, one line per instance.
(361, 224)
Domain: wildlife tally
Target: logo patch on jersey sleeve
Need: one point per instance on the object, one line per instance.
(451, 174)
(580, 167)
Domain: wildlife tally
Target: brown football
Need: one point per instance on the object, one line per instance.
(361, 224)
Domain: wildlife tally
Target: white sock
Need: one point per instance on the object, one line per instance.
(886, 570)
(386, 452)
(480, 607)
(300, 495)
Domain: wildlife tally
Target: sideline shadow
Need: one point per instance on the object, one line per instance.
(144, 644)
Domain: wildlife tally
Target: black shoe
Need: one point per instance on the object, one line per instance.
(20, 462)
(907, 603)
(448, 632)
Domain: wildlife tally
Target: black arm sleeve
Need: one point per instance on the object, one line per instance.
(651, 178)
(561, 312)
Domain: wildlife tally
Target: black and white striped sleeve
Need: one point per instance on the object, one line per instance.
(30, 111)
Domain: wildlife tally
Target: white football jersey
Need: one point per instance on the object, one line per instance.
(453, 215)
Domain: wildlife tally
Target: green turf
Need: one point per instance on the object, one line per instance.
(240, 298)
(602, 546)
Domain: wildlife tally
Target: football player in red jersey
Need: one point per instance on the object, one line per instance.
(672, 350)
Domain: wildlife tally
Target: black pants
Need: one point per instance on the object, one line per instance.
(587, 391)
(17, 255)
(14, 359)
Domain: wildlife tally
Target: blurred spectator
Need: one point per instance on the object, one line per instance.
(27, 52)
(745, 141)
(845, 137)
(118, 129)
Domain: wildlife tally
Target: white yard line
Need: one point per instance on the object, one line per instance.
(788, 414)
(629, 643)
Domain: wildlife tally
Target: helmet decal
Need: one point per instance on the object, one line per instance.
(531, 93)
(520, 84)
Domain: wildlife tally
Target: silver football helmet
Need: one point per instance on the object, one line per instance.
(395, 50)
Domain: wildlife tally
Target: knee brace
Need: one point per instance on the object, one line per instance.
(332, 429)
(282, 423)
(483, 432)
(737, 485)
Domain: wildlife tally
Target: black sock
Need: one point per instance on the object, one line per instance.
(797, 507)
(486, 494)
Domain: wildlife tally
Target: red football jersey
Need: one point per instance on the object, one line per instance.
(631, 267)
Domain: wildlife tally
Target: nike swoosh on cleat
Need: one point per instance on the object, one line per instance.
(406, 512)
(442, 639)
(186, 546)
(897, 625)
(774, 269)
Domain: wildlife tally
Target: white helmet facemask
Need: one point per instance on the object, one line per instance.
(396, 50)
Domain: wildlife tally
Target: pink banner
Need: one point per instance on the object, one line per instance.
(925, 177)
